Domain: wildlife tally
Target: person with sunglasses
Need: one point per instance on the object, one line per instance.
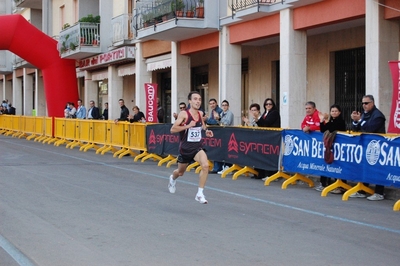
(372, 120)
(182, 107)
(271, 116)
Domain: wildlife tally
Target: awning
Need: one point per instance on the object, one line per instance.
(126, 70)
(159, 62)
(100, 75)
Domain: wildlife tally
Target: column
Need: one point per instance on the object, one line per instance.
(17, 95)
(27, 93)
(142, 76)
(381, 46)
(230, 74)
(40, 100)
(180, 78)
(115, 92)
(293, 72)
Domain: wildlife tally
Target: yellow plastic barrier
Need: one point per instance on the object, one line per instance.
(96, 135)
(82, 133)
(12, 125)
(48, 129)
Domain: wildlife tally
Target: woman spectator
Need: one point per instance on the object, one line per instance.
(271, 116)
(333, 123)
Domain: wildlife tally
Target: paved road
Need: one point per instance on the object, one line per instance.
(65, 207)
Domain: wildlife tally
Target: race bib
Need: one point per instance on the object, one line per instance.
(194, 134)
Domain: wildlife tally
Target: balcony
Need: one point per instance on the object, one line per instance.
(34, 4)
(123, 31)
(80, 41)
(19, 62)
(175, 20)
(245, 10)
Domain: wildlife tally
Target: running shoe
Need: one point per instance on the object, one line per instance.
(171, 184)
(201, 199)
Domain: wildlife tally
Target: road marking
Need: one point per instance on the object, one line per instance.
(17, 255)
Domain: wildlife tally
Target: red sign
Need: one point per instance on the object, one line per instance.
(151, 102)
(394, 122)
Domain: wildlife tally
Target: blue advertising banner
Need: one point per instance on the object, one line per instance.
(369, 158)
(382, 159)
(304, 154)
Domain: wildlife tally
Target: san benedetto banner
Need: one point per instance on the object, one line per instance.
(394, 121)
(369, 158)
(151, 102)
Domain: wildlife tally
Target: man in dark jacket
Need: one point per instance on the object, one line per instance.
(370, 121)
(124, 112)
(93, 112)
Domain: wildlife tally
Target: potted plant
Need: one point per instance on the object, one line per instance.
(177, 6)
(190, 12)
(200, 9)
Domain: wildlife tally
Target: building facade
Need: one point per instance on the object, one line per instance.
(294, 51)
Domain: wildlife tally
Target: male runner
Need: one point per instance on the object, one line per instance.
(190, 125)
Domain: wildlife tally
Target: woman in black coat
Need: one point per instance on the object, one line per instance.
(334, 122)
(271, 116)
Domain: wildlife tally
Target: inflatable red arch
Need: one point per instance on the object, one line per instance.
(59, 75)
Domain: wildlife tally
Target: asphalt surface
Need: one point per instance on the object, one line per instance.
(66, 207)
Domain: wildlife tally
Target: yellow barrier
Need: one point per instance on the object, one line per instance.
(49, 124)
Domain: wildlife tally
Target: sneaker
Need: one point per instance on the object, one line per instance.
(223, 169)
(376, 196)
(337, 190)
(319, 187)
(201, 199)
(265, 178)
(171, 184)
(358, 195)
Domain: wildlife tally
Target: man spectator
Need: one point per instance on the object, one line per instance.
(182, 107)
(81, 111)
(93, 112)
(160, 111)
(227, 118)
(11, 109)
(105, 111)
(370, 121)
(215, 111)
(213, 120)
(124, 112)
(311, 121)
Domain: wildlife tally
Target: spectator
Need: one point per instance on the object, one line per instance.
(226, 114)
(137, 116)
(160, 111)
(254, 116)
(70, 111)
(93, 112)
(311, 120)
(370, 121)
(333, 123)
(226, 120)
(270, 118)
(124, 112)
(213, 120)
(215, 110)
(182, 107)
(105, 111)
(11, 109)
(81, 111)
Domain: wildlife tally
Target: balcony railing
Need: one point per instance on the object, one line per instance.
(152, 12)
(122, 28)
(243, 4)
(78, 36)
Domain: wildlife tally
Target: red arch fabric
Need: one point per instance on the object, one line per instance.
(59, 75)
